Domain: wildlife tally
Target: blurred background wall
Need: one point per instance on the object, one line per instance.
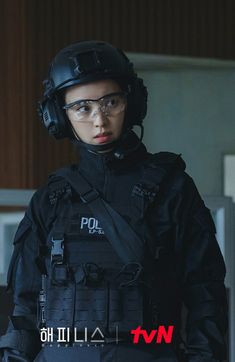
(192, 111)
(32, 31)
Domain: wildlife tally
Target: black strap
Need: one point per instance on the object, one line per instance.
(122, 237)
(159, 170)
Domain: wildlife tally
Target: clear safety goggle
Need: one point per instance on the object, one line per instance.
(86, 109)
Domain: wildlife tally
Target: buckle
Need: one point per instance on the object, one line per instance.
(89, 196)
(57, 251)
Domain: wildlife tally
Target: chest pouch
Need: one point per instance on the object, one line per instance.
(112, 304)
(87, 295)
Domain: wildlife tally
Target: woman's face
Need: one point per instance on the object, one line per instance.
(96, 111)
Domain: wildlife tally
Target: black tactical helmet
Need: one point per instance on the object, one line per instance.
(85, 62)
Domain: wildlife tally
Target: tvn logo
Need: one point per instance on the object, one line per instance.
(91, 225)
(161, 335)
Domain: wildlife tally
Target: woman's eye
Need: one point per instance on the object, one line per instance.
(82, 109)
(112, 102)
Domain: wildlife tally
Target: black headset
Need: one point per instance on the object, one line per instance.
(85, 62)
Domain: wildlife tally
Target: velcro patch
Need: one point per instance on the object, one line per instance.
(86, 225)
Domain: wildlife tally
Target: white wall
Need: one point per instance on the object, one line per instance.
(192, 111)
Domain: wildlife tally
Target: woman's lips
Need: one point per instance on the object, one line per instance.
(104, 137)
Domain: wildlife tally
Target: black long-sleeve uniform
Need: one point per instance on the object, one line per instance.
(188, 265)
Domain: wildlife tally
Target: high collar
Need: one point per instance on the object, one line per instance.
(91, 163)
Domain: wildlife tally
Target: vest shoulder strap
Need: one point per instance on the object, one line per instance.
(58, 186)
(157, 171)
(162, 165)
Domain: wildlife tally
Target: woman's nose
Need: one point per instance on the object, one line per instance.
(99, 118)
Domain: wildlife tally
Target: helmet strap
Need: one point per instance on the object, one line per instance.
(118, 147)
(120, 151)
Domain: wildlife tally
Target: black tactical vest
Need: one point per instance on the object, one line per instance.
(87, 285)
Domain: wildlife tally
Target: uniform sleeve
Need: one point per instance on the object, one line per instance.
(203, 282)
(24, 280)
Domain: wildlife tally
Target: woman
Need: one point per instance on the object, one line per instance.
(110, 248)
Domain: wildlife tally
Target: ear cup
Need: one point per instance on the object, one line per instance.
(137, 103)
(141, 96)
(54, 118)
